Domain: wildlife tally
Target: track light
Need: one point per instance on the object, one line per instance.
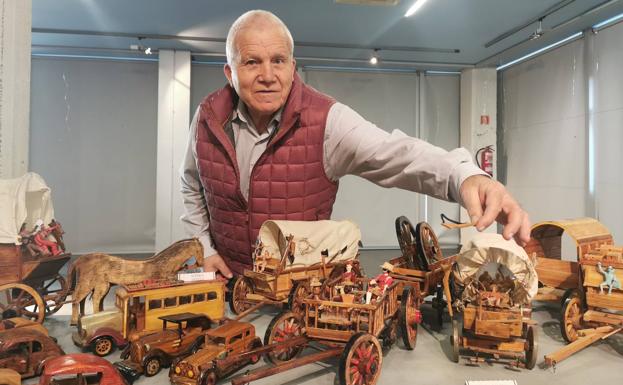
(374, 60)
(414, 8)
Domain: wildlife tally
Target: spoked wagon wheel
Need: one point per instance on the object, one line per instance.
(54, 292)
(361, 360)
(428, 249)
(571, 320)
(283, 327)
(455, 340)
(406, 239)
(238, 301)
(21, 300)
(532, 347)
(300, 290)
(409, 318)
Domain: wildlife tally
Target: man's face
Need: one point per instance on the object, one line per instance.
(263, 72)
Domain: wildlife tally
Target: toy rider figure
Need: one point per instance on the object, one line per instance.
(42, 241)
(380, 283)
(610, 279)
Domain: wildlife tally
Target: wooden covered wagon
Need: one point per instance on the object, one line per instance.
(288, 255)
(558, 273)
(494, 281)
(594, 310)
(30, 283)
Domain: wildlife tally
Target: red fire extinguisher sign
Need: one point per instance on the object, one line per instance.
(484, 158)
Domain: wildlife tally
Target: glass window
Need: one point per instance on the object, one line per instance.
(212, 295)
(184, 299)
(155, 303)
(170, 301)
(199, 297)
(235, 338)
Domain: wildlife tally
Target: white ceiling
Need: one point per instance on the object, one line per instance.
(450, 32)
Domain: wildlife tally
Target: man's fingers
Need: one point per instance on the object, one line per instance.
(493, 205)
(514, 219)
(471, 200)
(522, 237)
(223, 268)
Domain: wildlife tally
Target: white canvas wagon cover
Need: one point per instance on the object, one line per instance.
(487, 248)
(339, 238)
(23, 200)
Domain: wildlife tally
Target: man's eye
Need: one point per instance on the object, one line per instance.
(251, 62)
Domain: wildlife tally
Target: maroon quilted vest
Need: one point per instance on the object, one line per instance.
(287, 182)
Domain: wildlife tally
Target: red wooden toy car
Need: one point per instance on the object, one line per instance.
(80, 369)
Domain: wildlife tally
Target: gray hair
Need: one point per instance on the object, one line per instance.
(231, 51)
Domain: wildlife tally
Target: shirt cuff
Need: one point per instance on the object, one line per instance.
(458, 175)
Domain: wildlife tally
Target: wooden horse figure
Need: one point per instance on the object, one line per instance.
(96, 272)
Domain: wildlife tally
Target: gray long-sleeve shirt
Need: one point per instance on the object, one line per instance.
(352, 145)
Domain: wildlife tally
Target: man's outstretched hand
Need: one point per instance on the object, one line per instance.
(487, 200)
(216, 264)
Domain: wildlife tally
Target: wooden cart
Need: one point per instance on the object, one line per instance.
(348, 329)
(558, 273)
(496, 322)
(30, 283)
(288, 255)
(422, 264)
(594, 311)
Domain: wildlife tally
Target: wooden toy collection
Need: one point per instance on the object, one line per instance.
(312, 270)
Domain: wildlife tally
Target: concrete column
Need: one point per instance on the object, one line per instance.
(15, 45)
(173, 121)
(478, 121)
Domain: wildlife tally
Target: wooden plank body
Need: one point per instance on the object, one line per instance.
(582, 342)
(10, 263)
(338, 321)
(495, 323)
(557, 273)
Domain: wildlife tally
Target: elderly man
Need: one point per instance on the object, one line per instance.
(267, 146)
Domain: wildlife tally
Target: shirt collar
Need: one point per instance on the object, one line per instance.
(241, 114)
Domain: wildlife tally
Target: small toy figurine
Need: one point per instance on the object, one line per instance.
(41, 240)
(348, 277)
(26, 239)
(380, 283)
(315, 288)
(610, 279)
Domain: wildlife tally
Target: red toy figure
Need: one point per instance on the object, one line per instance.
(348, 277)
(40, 239)
(380, 283)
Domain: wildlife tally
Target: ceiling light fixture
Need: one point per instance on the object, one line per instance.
(374, 60)
(148, 51)
(414, 8)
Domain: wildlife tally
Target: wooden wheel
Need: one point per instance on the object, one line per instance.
(21, 300)
(54, 292)
(406, 239)
(283, 327)
(238, 301)
(409, 318)
(361, 360)
(571, 320)
(102, 346)
(428, 249)
(455, 339)
(532, 347)
(151, 366)
(300, 290)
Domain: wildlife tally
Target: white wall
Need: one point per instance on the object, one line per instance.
(93, 139)
(607, 119)
(543, 129)
(562, 114)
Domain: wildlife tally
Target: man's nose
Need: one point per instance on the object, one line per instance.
(267, 74)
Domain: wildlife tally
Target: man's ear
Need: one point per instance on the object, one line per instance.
(227, 70)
